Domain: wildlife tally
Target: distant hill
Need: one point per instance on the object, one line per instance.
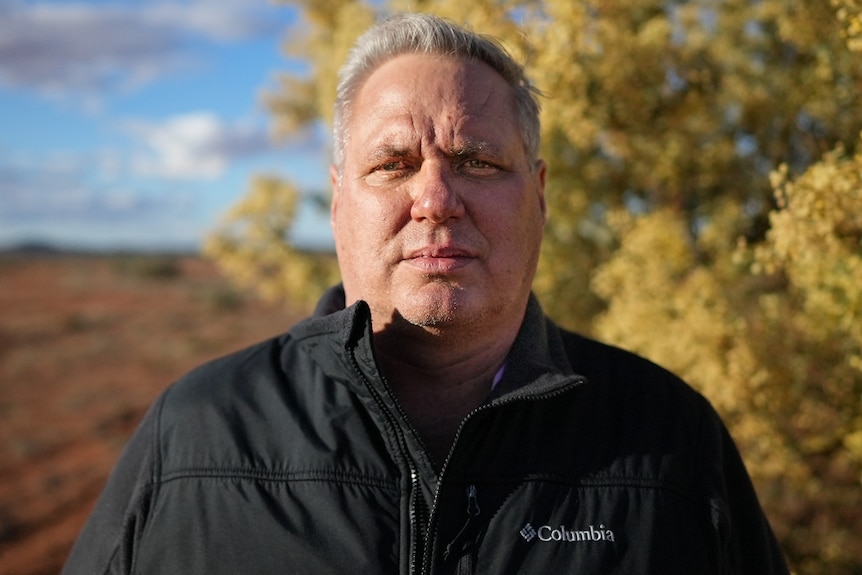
(45, 248)
(31, 248)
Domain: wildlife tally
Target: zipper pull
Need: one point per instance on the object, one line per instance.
(472, 501)
(472, 511)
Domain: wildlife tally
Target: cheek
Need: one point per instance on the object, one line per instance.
(516, 237)
(363, 228)
(518, 222)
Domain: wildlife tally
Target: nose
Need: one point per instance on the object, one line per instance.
(434, 197)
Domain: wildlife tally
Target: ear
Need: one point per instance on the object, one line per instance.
(541, 170)
(334, 181)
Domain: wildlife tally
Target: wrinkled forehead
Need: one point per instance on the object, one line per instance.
(435, 76)
(436, 96)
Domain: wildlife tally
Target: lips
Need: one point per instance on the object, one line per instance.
(439, 259)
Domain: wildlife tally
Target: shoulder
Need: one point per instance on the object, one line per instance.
(640, 394)
(225, 403)
(221, 379)
(276, 380)
(620, 369)
(253, 405)
(649, 414)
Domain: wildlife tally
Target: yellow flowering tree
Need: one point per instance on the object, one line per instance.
(772, 334)
(252, 247)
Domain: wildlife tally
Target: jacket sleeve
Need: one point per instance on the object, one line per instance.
(106, 543)
(745, 541)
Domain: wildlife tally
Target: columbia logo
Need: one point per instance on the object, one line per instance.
(562, 534)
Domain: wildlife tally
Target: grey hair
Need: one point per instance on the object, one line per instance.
(417, 33)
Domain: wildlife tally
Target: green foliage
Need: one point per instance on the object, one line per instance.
(704, 197)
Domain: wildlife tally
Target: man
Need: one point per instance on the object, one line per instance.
(429, 418)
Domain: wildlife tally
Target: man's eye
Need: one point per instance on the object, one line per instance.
(392, 166)
(478, 167)
(388, 172)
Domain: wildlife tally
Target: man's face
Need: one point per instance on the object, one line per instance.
(438, 213)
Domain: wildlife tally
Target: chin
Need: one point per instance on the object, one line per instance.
(432, 319)
(450, 307)
(435, 306)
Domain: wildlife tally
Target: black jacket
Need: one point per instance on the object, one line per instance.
(293, 456)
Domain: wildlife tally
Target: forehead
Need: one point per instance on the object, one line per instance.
(433, 96)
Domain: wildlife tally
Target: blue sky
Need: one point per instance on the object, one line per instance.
(138, 123)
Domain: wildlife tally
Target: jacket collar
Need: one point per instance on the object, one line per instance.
(536, 365)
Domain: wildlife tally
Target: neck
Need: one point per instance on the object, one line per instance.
(439, 378)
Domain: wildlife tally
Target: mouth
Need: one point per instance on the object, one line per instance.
(440, 259)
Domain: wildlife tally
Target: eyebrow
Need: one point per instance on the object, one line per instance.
(468, 149)
(473, 148)
(389, 151)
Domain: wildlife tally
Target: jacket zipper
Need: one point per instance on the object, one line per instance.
(420, 516)
(418, 519)
(418, 510)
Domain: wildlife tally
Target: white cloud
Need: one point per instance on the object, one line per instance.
(223, 21)
(195, 146)
(63, 187)
(62, 198)
(78, 47)
(99, 197)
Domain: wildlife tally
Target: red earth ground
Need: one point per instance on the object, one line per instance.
(86, 343)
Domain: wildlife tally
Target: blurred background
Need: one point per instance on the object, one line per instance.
(134, 124)
(163, 193)
(126, 130)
